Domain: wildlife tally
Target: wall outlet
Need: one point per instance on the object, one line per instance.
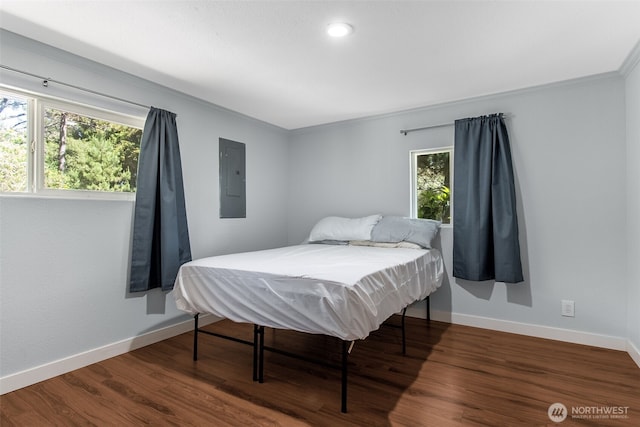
(568, 308)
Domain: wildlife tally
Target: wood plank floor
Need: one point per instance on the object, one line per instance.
(452, 376)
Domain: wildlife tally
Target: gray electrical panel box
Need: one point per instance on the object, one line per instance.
(233, 201)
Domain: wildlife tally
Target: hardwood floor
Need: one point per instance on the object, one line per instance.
(451, 376)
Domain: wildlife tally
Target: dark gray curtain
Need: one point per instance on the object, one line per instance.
(160, 233)
(485, 227)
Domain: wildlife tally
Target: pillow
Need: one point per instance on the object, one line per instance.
(338, 228)
(398, 229)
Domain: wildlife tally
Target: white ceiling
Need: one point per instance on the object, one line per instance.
(273, 61)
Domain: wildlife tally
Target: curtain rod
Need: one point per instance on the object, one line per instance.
(46, 80)
(406, 131)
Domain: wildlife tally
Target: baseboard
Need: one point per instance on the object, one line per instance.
(539, 331)
(633, 352)
(40, 373)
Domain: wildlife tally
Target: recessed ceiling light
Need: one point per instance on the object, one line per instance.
(339, 29)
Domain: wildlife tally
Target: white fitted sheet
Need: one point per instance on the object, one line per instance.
(339, 290)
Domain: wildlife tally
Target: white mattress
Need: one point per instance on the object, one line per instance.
(338, 290)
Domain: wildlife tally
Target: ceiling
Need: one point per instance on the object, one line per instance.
(273, 61)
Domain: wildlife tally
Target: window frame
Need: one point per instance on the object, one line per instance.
(413, 170)
(36, 106)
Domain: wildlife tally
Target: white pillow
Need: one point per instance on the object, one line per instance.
(338, 228)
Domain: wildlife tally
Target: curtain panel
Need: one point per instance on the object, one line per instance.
(485, 226)
(160, 232)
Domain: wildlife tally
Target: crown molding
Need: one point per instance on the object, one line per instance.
(631, 61)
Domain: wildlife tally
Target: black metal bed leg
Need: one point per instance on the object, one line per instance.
(345, 354)
(404, 336)
(256, 332)
(428, 311)
(261, 355)
(195, 337)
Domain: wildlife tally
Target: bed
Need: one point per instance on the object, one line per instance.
(345, 281)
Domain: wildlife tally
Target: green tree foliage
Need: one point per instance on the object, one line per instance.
(13, 144)
(433, 186)
(13, 166)
(98, 155)
(80, 152)
(434, 204)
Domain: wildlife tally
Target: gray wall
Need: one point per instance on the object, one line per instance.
(633, 199)
(64, 263)
(568, 144)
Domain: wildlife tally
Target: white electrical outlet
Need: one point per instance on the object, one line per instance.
(568, 308)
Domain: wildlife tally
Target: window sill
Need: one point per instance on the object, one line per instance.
(73, 195)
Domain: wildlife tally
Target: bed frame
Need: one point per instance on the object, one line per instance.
(259, 348)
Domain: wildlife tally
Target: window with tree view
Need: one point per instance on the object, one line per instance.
(431, 186)
(52, 145)
(14, 146)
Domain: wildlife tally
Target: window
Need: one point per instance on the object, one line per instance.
(14, 146)
(60, 148)
(431, 184)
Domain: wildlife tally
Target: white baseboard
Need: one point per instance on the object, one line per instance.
(633, 352)
(49, 370)
(539, 331)
(40, 373)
